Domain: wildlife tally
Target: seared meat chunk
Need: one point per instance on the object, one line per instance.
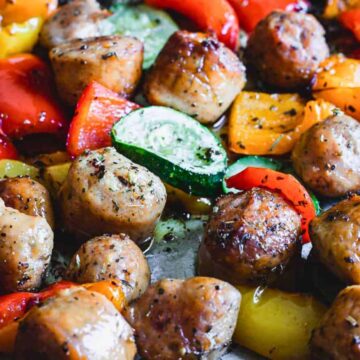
(78, 19)
(113, 61)
(250, 237)
(197, 75)
(75, 324)
(185, 319)
(338, 335)
(335, 235)
(26, 244)
(327, 156)
(111, 257)
(105, 192)
(286, 48)
(27, 196)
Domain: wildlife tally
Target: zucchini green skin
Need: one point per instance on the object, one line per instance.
(152, 26)
(190, 177)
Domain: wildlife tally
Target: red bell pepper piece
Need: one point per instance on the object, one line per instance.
(284, 184)
(250, 12)
(14, 306)
(351, 20)
(27, 100)
(7, 149)
(96, 112)
(210, 15)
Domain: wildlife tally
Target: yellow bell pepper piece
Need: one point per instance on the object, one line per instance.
(277, 324)
(18, 11)
(19, 37)
(264, 124)
(334, 8)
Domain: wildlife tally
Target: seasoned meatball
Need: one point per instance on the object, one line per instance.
(78, 19)
(195, 74)
(338, 334)
(26, 244)
(185, 319)
(27, 196)
(111, 257)
(334, 235)
(75, 324)
(113, 61)
(105, 192)
(286, 48)
(250, 237)
(327, 156)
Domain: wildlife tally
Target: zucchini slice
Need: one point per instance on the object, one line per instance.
(174, 146)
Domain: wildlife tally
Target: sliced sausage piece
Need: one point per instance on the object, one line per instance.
(327, 156)
(338, 335)
(75, 324)
(26, 244)
(183, 319)
(113, 61)
(335, 239)
(78, 19)
(195, 74)
(250, 238)
(27, 196)
(111, 257)
(106, 193)
(286, 48)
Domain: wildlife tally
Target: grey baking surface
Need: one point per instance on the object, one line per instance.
(173, 255)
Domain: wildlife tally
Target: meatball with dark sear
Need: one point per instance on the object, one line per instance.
(185, 319)
(286, 48)
(335, 239)
(197, 75)
(26, 244)
(75, 324)
(27, 196)
(338, 335)
(111, 257)
(327, 156)
(106, 193)
(78, 19)
(250, 237)
(113, 61)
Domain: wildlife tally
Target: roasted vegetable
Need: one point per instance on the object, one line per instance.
(263, 124)
(54, 176)
(14, 168)
(277, 324)
(334, 8)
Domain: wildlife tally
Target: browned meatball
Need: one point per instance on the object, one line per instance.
(111, 257)
(185, 319)
(195, 74)
(338, 335)
(27, 196)
(335, 236)
(113, 61)
(250, 237)
(286, 49)
(75, 324)
(327, 156)
(78, 19)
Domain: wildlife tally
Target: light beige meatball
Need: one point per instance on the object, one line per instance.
(78, 19)
(250, 238)
(286, 48)
(111, 257)
(185, 319)
(327, 156)
(105, 192)
(335, 238)
(26, 244)
(75, 324)
(113, 61)
(27, 196)
(338, 335)
(195, 74)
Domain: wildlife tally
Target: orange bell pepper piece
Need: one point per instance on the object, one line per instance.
(351, 20)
